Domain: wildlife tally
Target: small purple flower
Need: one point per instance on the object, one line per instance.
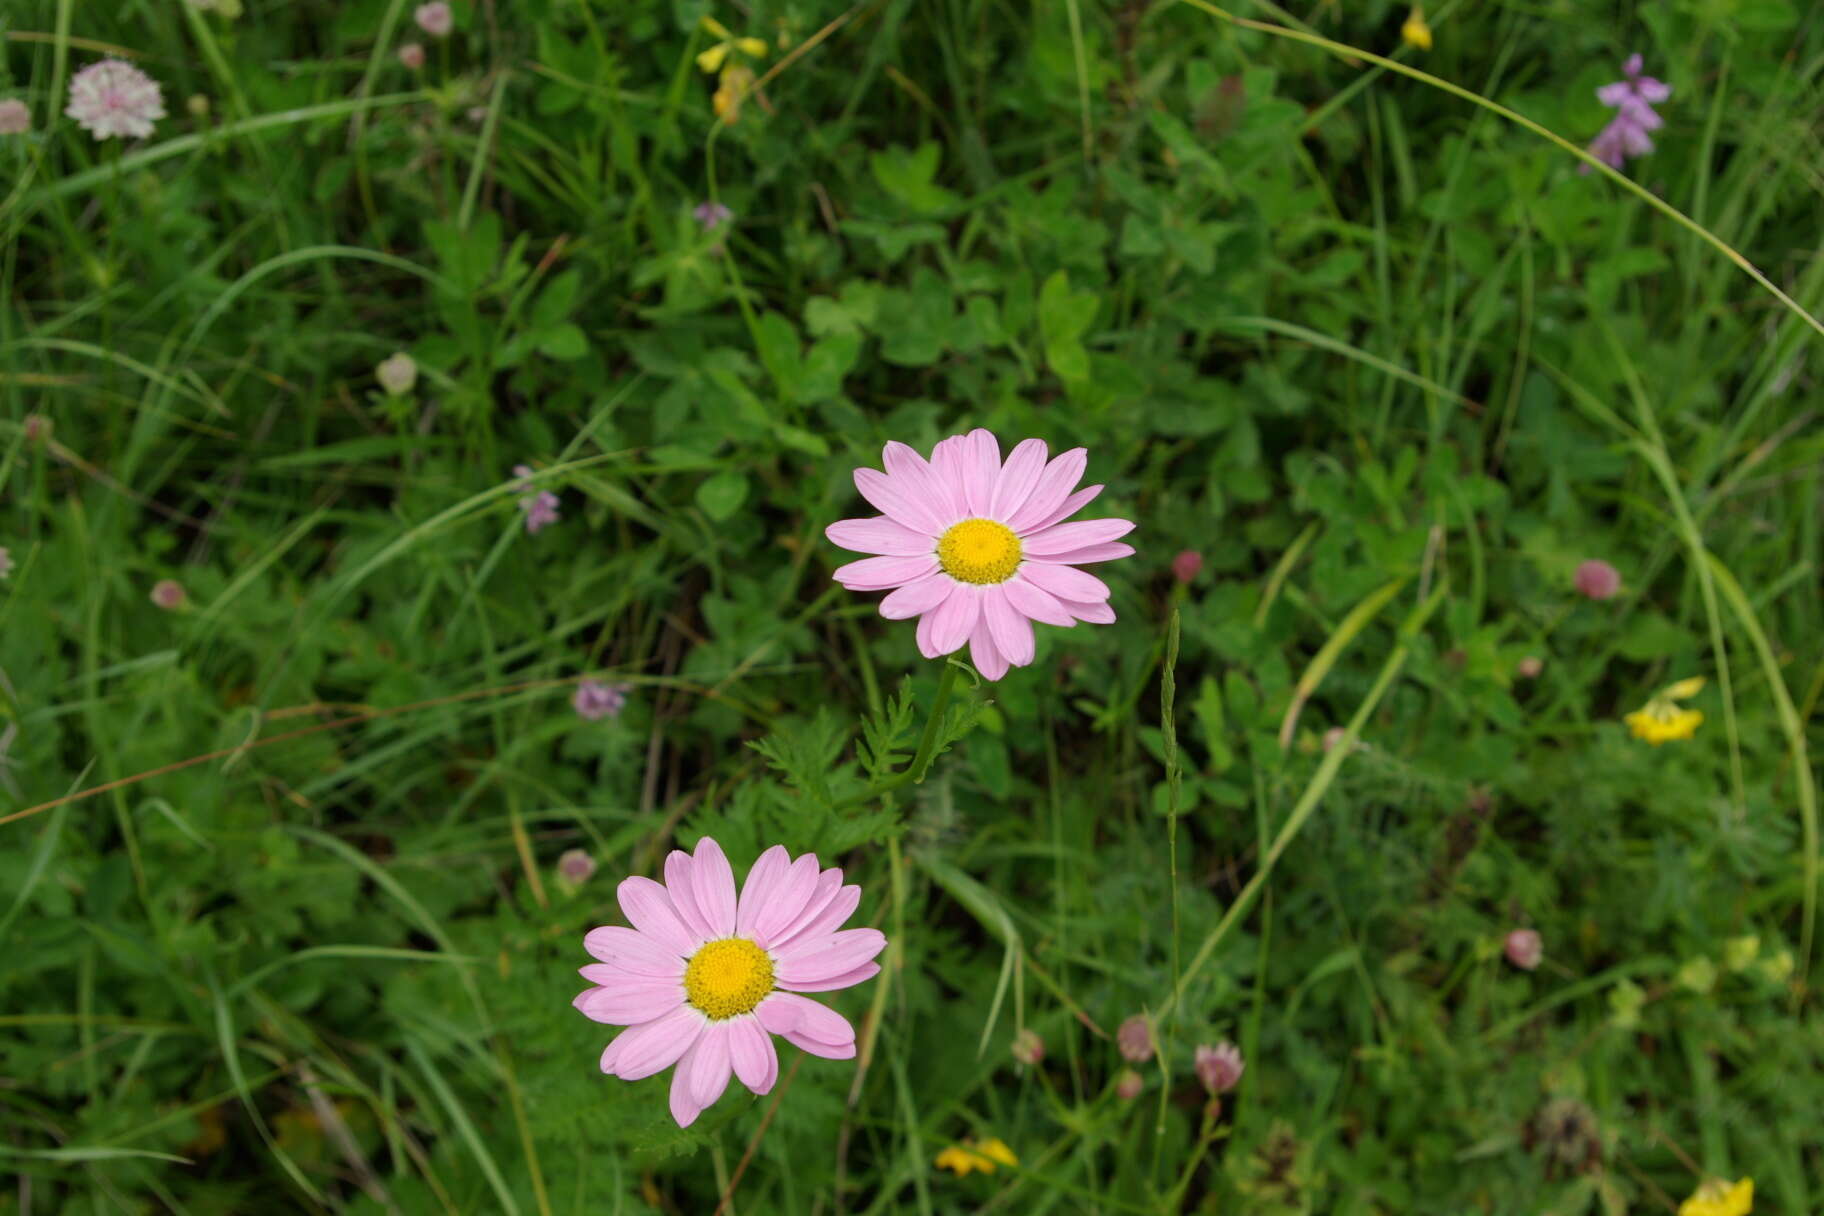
(1597, 579)
(540, 506)
(1135, 1039)
(575, 867)
(169, 594)
(1524, 948)
(1633, 100)
(712, 216)
(595, 700)
(1219, 1067)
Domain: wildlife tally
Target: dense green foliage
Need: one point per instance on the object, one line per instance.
(1386, 360)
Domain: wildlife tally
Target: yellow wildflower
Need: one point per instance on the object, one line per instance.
(730, 91)
(1662, 719)
(711, 61)
(969, 1156)
(1415, 32)
(1719, 1198)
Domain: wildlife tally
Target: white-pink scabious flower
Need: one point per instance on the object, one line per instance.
(113, 98)
(704, 979)
(435, 19)
(978, 550)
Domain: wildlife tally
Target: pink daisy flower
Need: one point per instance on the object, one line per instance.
(113, 98)
(703, 979)
(978, 549)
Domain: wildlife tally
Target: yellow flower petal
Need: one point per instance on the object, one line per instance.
(1719, 1198)
(711, 59)
(1415, 32)
(998, 1150)
(1685, 688)
(716, 27)
(753, 48)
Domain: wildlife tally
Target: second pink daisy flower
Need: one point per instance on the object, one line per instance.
(978, 549)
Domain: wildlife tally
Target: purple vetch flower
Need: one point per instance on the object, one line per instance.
(595, 700)
(1633, 99)
(540, 506)
(712, 215)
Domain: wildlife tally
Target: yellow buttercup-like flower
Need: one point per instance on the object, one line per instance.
(969, 1155)
(1717, 1197)
(711, 61)
(1415, 32)
(1662, 718)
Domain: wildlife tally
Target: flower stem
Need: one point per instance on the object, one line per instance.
(927, 742)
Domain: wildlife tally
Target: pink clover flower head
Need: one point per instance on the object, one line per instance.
(711, 216)
(412, 55)
(113, 98)
(15, 117)
(169, 594)
(594, 700)
(1524, 948)
(1632, 99)
(1187, 565)
(576, 866)
(1219, 1067)
(435, 19)
(539, 506)
(1128, 1085)
(704, 979)
(978, 549)
(1028, 1047)
(1597, 579)
(1135, 1039)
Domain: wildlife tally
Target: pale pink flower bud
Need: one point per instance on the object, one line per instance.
(113, 98)
(412, 56)
(15, 117)
(169, 594)
(1128, 1085)
(1187, 565)
(1219, 1067)
(1135, 1039)
(1529, 667)
(435, 19)
(1597, 579)
(1028, 1047)
(575, 867)
(1524, 948)
(397, 375)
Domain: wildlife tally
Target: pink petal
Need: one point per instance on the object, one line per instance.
(640, 1051)
(630, 1002)
(909, 469)
(948, 460)
(680, 885)
(781, 903)
(769, 870)
(880, 573)
(714, 882)
(986, 656)
(1062, 538)
(1069, 507)
(828, 885)
(1012, 632)
(981, 469)
(1614, 94)
(843, 1051)
(916, 598)
(826, 917)
(750, 1050)
(878, 534)
(1632, 64)
(1019, 477)
(1036, 603)
(1094, 613)
(651, 910)
(708, 1069)
(1054, 487)
(1652, 91)
(895, 499)
(632, 951)
(848, 979)
(810, 959)
(786, 1013)
(1065, 582)
(951, 621)
(607, 975)
(1108, 551)
(683, 1109)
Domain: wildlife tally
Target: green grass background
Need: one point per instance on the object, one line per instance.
(1377, 352)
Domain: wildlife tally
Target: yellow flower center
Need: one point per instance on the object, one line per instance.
(979, 551)
(728, 977)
